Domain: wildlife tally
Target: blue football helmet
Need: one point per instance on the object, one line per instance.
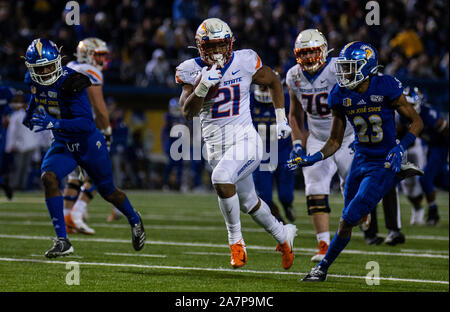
(43, 60)
(356, 62)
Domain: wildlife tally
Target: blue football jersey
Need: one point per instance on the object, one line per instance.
(264, 114)
(76, 108)
(370, 114)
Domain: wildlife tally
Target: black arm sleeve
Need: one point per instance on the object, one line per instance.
(74, 84)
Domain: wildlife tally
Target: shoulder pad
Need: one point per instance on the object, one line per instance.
(75, 83)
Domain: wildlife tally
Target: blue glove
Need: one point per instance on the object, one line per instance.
(394, 158)
(305, 161)
(297, 151)
(45, 121)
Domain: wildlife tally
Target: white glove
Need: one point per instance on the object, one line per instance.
(283, 129)
(210, 77)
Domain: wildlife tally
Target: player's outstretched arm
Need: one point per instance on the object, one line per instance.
(336, 134)
(267, 77)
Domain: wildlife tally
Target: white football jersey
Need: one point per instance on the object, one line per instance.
(94, 74)
(312, 93)
(231, 105)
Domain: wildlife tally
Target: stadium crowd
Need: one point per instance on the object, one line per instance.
(412, 41)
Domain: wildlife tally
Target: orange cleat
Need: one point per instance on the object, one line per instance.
(238, 254)
(323, 248)
(77, 226)
(286, 249)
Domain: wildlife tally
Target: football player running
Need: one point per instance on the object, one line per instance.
(92, 58)
(309, 83)
(234, 148)
(368, 101)
(59, 102)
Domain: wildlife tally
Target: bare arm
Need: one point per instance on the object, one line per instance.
(297, 119)
(336, 134)
(95, 95)
(407, 111)
(190, 103)
(265, 76)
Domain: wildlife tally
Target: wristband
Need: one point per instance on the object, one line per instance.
(201, 90)
(407, 140)
(298, 141)
(280, 115)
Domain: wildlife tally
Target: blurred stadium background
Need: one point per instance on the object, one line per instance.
(148, 38)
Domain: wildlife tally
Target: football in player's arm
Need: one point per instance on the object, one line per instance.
(368, 101)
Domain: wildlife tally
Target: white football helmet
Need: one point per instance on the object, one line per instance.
(311, 49)
(93, 51)
(214, 40)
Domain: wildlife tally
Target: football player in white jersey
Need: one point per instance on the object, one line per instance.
(216, 86)
(309, 83)
(92, 58)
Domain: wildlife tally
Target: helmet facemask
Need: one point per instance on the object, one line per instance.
(311, 59)
(262, 94)
(45, 72)
(348, 72)
(217, 51)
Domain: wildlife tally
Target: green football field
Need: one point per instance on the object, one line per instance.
(187, 251)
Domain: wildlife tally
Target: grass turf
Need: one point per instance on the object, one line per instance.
(187, 251)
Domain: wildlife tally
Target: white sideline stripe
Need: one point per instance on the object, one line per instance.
(183, 244)
(143, 266)
(201, 228)
(134, 255)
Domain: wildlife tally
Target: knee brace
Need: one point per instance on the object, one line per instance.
(88, 191)
(220, 176)
(317, 206)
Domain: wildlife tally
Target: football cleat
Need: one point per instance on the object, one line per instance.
(365, 224)
(287, 248)
(394, 238)
(78, 225)
(62, 247)
(374, 240)
(316, 275)
(323, 248)
(433, 217)
(138, 234)
(408, 170)
(290, 213)
(238, 254)
(417, 216)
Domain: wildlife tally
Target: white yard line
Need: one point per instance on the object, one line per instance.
(143, 266)
(134, 255)
(202, 228)
(208, 245)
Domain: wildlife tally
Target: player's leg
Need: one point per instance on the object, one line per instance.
(375, 183)
(97, 163)
(263, 181)
(79, 210)
(317, 188)
(71, 191)
(285, 186)
(435, 163)
(251, 204)
(391, 207)
(57, 163)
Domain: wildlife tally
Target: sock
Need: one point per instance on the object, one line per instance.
(231, 213)
(129, 212)
(55, 208)
(324, 236)
(264, 218)
(337, 245)
(78, 209)
(432, 207)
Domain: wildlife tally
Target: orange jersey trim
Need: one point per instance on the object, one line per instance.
(95, 74)
(258, 62)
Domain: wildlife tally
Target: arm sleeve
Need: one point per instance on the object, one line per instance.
(82, 120)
